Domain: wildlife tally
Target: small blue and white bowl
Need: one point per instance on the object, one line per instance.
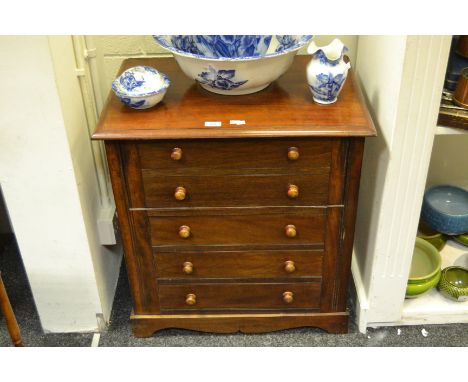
(141, 87)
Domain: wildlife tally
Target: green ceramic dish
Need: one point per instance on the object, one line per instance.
(418, 289)
(437, 239)
(454, 283)
(425, 263)
(462, 239)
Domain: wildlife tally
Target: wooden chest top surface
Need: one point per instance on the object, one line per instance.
(285, 108)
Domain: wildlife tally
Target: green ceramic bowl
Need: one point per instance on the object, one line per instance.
(437, 239)
(425, 263)
(454, 283)
(462, 239)
(424, 270)
(418, 289)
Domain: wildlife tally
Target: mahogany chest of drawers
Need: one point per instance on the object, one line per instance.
(237, 227)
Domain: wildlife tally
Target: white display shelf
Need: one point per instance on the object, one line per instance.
(442, 130)
(433, 307)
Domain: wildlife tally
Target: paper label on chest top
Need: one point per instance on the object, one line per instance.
(213, 123)
(237, 122)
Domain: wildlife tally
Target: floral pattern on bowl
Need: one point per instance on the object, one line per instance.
(231, 47)
(217, 46)
(220, 79)
(285, 42)
(133, 104)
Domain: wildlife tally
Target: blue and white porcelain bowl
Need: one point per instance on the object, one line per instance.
(141, 87)
(233, 64)
(445, 209)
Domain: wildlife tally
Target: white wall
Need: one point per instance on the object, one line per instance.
(379, 66)
(46, 181)
(106, 259)
(449, 161)
(379, 70)
(402, 78)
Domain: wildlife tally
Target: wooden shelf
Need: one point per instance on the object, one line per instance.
(433, 307)
(444, 130)
(451, 115)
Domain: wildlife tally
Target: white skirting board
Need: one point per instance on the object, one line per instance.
(362, 302)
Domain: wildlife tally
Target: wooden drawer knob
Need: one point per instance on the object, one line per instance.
(293, 153)
(176, 153)
(288, 297)
(290, 230)
(184, 231)
(190, 299)
(188, 267)
(180, 193)
(289, 266)
(293, 191)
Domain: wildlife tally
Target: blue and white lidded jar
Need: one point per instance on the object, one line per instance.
(141, 87)
(327, 71)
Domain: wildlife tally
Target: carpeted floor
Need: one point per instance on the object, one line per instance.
(119, 332)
